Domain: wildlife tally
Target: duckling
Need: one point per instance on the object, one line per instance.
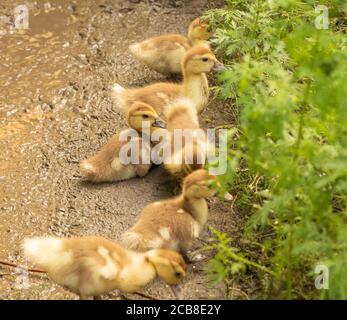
(199, 33)
(195, 63)
(92, 266)
(164, 53)
(182, 119)
(174, 223)
(106, 165)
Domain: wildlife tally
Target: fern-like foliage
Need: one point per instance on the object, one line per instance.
(288, 80)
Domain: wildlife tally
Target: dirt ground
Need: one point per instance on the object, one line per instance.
(55, 110)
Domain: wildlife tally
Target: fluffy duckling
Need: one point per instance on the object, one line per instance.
(106, 165)
(182, 116)
(175, 223)
(92, 266)
(164, 53)
(196, 63)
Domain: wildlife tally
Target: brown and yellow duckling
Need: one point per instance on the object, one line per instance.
(196, 63)
(174, 223)
(183, 124)
(92, 266)
(165, 53)
(106, 165)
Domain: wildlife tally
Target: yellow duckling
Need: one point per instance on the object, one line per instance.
(164, 53)
(196, 63)
(182, 119)
(174, 223)
(106, 165)
(92, 266)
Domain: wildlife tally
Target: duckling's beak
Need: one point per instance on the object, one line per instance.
(158, 123)
(218, 66)
(177, 291)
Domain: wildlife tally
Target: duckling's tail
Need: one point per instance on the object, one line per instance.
(88, 171)
(44, 253)
(117, 92)
(117, 88)
(135, 49)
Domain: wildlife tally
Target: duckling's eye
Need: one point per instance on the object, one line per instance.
(205, 59)
(178, 274)
(145, 116)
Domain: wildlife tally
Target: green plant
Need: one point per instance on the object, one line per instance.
(288, 80)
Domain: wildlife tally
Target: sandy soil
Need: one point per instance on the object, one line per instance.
(55, 110)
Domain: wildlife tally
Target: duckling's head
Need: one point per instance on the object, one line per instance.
(199, 30)
(141, 115)
(199, 184)
(201, 60)
(170, 265)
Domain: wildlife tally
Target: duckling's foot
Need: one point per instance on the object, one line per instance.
(117, 295)
(97, 298)
(198, 257)
(177, 292)
(194, 257)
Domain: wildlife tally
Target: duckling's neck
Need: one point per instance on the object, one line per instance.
(137, 273)
(197, 207)
(195, 88)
